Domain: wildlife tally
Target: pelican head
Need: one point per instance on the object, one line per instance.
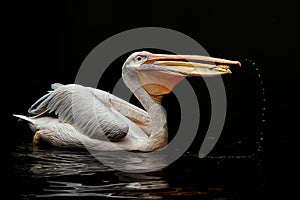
(159, 73)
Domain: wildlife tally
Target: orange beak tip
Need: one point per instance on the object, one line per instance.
(239, 63)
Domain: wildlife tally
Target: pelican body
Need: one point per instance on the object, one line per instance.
(86, 117)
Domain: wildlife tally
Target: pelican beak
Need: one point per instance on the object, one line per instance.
(188, 65)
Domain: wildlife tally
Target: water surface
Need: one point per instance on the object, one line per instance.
(67, 174)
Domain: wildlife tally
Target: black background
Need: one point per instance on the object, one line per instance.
(45, 42)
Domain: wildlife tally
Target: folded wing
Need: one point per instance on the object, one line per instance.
(80, 106)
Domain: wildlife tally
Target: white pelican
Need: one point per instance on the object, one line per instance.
(92, 118)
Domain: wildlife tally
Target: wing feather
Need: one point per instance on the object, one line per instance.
(79, 106)
(137, 115)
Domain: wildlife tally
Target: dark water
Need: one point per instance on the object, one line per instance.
(68, 174)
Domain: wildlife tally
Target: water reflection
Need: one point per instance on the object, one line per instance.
(120, 190)
(59, 173)
(133, 162)
(57, 163)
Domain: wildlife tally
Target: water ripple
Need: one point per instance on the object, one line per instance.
(65, 174)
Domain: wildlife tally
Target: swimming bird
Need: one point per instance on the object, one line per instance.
(76, 116)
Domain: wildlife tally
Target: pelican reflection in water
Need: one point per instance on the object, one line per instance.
(95, 119)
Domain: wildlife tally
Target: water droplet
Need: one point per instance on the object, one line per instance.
(253, 63)
(261, 138)
(257, 69)
(263, 120)
(264, 99)
(258, 75)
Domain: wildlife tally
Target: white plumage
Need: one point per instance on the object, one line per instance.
(92, 118)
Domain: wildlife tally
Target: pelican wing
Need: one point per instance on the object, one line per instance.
(138, 116)
(80, 106)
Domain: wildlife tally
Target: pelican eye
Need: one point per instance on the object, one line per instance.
(139, 58)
